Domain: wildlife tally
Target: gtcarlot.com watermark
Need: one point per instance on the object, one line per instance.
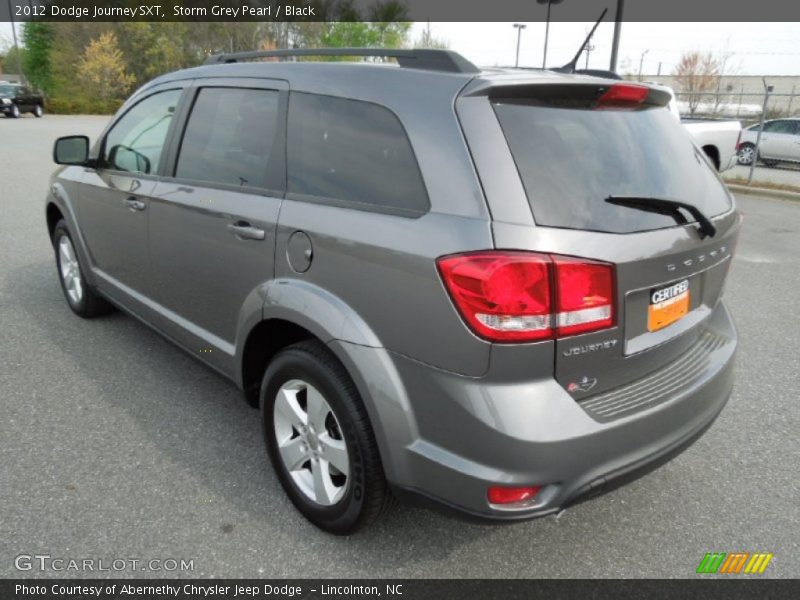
(48, 563)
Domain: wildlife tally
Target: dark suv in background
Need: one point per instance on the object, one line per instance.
(495, 290)
(16, 99)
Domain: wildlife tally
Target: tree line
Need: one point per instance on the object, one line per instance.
(92, 67)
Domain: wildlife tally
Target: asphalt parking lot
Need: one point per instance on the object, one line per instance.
(116, 445)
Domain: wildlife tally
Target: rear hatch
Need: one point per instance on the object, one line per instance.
(610, 175)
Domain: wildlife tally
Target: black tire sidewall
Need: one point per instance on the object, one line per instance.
(294, 363)
(38, 111)
(15, 112)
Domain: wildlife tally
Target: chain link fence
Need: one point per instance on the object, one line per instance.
(745, 107)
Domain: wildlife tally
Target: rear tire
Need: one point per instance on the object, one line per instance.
(38, 111)
(746, 154)
(320, 440)
(81, 298)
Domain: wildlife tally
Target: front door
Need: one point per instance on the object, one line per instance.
(213, 220)
(115, 196)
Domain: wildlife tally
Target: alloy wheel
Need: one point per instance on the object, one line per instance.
(310, 442)
(70, 270)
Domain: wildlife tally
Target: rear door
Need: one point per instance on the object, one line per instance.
(777, 140)
(561, 154)
(213, 217)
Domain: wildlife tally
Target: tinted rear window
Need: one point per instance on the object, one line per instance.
(352, 152)
(572, 159)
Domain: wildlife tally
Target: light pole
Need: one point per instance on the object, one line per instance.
(519, 27)
(617, 30)
(641, 62)
(547, 27)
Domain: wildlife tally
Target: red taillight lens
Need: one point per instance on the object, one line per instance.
(511, 495)
(503, 296)
(507, 296)
(623, 95)
(584, 295)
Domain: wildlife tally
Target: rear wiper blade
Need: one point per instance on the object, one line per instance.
(667, 207)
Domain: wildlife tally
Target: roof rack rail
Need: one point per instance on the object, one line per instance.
(427, 59)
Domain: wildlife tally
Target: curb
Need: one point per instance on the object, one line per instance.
(760, 191)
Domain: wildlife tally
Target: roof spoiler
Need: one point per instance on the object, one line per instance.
(426, 59)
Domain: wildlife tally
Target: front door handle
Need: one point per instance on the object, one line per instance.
(134, 203)
(243, 230)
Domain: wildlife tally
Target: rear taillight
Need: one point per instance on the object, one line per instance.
(584, 295)
(738, 141)
(512, 296)
(623, 95)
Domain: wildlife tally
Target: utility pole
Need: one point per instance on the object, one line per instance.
(16, 45)
(519, 27)
(767, 90)
(659, 69)
(547, 27)
(641, 62)
(617, 31)
(589, 48)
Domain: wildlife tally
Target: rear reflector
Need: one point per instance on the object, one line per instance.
(512, 296)
(623, 94)
(511, 495)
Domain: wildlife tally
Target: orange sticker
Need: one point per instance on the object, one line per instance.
(664, 313)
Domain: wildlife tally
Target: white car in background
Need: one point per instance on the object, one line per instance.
(718, 139)
(780, 142)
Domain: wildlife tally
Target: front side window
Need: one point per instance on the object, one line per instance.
(229, 137)
(353, 152)
(136, 141)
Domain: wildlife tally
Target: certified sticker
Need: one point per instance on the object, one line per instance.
(667, 305)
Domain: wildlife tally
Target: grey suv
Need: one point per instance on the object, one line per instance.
(497, 291)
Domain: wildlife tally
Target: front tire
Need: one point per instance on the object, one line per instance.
(320, 441)
(81, 298)
(14, 113)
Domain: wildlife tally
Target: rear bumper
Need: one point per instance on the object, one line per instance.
(467, 434)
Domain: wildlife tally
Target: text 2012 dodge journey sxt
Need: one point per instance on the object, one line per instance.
(495, 290)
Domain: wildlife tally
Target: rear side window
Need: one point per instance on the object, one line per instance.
(352, 153)
(571, 159)
(229, 137)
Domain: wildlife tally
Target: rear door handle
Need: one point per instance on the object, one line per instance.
(243, 230)
(134, 203)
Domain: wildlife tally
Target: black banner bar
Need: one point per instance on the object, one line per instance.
(732, 588)
(408, 10)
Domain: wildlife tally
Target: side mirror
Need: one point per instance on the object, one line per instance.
(71, 150)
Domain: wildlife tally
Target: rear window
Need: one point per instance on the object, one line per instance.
(352, 153)
(571, 159)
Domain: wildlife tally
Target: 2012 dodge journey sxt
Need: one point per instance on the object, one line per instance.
(498, 291)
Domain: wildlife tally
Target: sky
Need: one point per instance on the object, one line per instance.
(755, 48)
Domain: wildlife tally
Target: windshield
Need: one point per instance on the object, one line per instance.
(7, 90)
(571, 159)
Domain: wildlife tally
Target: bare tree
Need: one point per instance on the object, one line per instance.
(697, 73)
